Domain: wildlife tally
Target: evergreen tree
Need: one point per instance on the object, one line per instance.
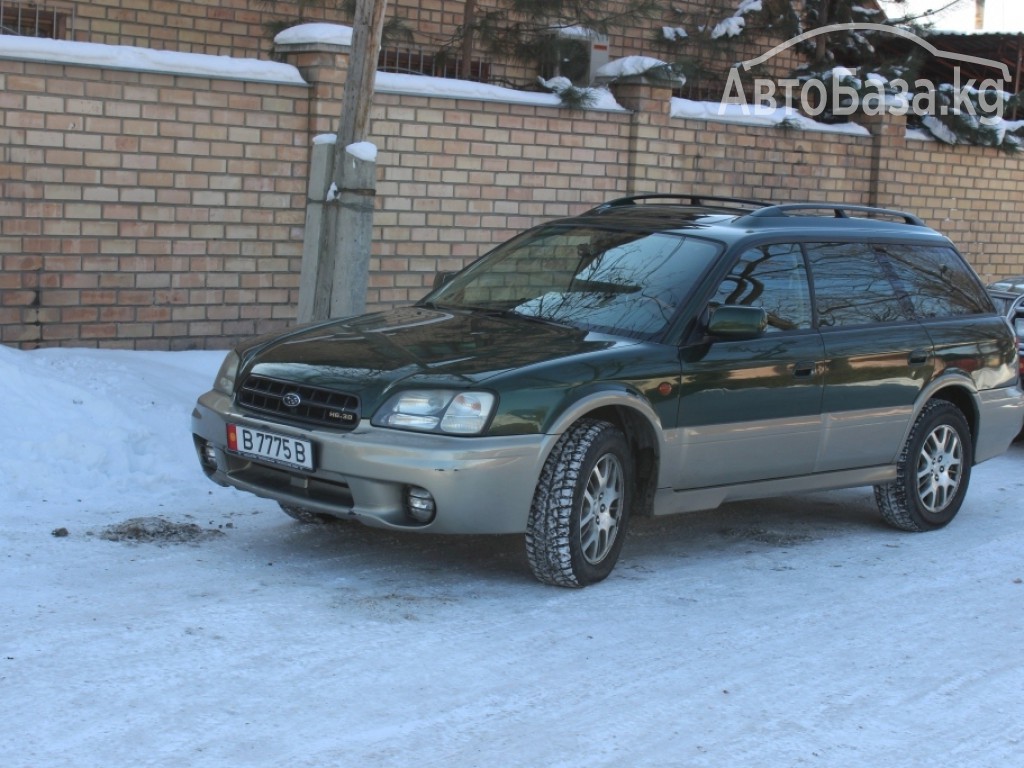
(545, 32)
(867, 63)
(701, 43)
(862, 60)
(696, 43)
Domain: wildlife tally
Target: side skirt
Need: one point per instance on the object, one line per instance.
(668, 501)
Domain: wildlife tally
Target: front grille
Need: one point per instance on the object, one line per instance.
(314, 405)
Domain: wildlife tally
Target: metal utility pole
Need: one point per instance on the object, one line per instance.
(341, 268)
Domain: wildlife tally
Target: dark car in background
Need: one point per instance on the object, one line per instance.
(655, 355)
(1008, 296)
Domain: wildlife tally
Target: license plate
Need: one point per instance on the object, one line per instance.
(268, 446)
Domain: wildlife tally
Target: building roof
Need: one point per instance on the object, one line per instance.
(1004, 47)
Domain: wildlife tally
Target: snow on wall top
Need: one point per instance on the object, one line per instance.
(335, 34)
(629, 65)
(147, 60)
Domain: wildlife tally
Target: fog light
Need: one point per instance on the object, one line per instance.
(207, 454)
(420, 504)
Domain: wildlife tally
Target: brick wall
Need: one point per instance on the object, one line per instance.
(244, 28)
(147, 210)
(166, 212)
(457, 178)
(974, 195)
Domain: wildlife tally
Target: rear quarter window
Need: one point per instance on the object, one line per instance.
(937, 281)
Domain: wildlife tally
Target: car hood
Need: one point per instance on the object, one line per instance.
(414, 346)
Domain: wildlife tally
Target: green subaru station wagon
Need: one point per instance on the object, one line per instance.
(657, 354)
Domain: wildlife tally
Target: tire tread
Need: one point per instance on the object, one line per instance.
(548, 548)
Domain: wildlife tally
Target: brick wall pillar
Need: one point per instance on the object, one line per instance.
(650, 102)
(642, 95)
(325, 67)
(888, 143)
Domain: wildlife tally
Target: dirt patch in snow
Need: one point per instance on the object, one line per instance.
(157, 530)
(772, 538)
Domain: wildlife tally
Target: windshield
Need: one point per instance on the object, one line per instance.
(622, 282)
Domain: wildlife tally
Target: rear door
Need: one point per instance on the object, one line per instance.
(878, 357)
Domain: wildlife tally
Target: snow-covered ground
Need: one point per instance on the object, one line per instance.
(792, 632)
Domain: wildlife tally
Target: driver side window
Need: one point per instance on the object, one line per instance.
(774, 278)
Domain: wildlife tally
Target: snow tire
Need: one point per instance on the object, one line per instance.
(581, 506)
(932, 473)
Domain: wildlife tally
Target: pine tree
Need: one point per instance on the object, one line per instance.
(846, 47)
(970, 117)
(544, 32)
(701, 43)
(695, 43)
(866, 63)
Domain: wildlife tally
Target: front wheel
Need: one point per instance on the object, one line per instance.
(932, 472)
(581, 506)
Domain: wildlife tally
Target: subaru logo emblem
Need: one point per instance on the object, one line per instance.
(292, 400)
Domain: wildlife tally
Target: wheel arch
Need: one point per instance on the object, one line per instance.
(632, 414)
(962, 395)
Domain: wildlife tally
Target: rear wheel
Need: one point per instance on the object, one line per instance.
(933, 471)
(581, 506)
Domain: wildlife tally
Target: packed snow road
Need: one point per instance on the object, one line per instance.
(174, 623)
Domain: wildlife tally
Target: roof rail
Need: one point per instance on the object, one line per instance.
(839, 211)
(693, 200)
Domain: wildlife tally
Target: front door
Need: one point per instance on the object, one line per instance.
(751, 409)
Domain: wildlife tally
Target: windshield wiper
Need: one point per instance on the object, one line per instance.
(506, 312)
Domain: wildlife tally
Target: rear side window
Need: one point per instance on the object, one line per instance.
(937, 281)
(854, 286)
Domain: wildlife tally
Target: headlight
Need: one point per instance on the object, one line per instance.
(225, 381)
(437, 410)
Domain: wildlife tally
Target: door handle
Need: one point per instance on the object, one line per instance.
(919, 357)
(804, 370)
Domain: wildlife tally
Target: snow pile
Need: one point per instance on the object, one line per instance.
(148, 60)
(66, 435)
(730, 27)
(755, 114)
(674, 34)
(390, 82)
(304, 34)
(735, 24)
(574, 32)
(363, 150)
(633, 66)
(629, 66)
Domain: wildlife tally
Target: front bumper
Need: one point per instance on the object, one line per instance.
(478, 484)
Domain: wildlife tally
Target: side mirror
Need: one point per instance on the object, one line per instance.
(441, 278)
(735, 322)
